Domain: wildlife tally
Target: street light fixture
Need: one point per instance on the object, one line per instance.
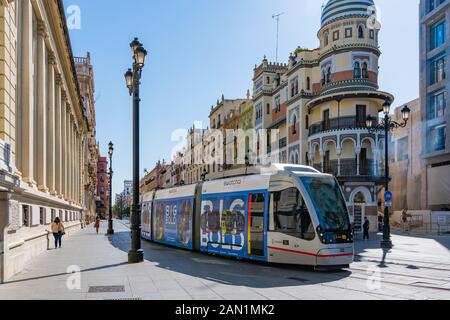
(134, 45)
(139, 56)
(388, 125)
(129, 78)
(110, 220)
(133, 81)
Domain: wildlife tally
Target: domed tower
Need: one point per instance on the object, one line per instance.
(338, 139)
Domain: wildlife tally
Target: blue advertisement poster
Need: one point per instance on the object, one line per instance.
(173, 222)
(223, 224)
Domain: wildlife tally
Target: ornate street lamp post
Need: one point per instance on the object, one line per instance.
(133, 81)
(388, 125)
(110, 220)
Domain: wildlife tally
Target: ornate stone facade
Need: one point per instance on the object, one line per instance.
(85, 73)
(42, 130)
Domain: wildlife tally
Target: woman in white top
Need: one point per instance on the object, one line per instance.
(57, 228)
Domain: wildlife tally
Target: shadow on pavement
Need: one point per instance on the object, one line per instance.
(64, 273)
(226, 270)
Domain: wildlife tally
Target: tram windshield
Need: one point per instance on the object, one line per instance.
(328, 202)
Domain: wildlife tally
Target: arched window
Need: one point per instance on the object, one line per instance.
(360, 32)
(357, 70)
(325, 39)
(308, 83)
(323, 78)
(329, 75)
(364, 71)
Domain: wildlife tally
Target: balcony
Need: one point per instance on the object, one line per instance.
(353, 84)
(348, 169)
(342, 123)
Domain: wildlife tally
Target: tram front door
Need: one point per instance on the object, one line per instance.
(256, 225)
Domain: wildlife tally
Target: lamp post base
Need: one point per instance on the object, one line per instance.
(110, 228)
(136, 256)
(386, 244)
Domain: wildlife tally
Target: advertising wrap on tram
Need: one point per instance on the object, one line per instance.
(173, 222)
(173, 217)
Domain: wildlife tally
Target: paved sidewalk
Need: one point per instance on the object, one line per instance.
(417, 268)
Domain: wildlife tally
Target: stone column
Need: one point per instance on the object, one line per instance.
(64, 109)
(375, 163)
(77, 168)
(51, 125)
(58, 136)
(358, 160)
(73, 161)
(339, 153)
(70, 158)
(322, 156)
(41, 109)
(27, 95)
(68, 164)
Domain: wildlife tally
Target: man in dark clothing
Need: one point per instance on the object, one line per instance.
(366, 228)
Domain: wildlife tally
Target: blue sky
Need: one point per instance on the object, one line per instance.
(201, 49)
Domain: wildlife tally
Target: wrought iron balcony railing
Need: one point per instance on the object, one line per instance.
(341, 123)
(349, 168)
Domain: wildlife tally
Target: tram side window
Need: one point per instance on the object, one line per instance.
(291, 214)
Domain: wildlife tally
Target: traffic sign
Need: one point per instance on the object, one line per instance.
(388, 199)
(388, 196)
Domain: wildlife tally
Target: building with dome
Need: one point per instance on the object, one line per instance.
(325, 96)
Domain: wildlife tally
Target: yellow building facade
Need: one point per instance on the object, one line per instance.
(42, 130)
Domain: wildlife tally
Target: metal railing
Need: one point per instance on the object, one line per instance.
(349, 168)
(341, 123)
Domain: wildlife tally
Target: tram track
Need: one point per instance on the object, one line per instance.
(403, 262)
(434, 277)
(418, 284)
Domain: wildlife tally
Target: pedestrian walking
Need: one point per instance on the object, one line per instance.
(97, 223)
(366, 228)
(405, 220)
(58, 230)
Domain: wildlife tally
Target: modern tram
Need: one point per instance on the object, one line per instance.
(285, 214)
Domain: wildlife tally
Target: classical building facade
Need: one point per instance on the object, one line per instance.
(42, 130)
(85, 73)
(193, 154)
(224, 116)
(266, 79)
(434, 89)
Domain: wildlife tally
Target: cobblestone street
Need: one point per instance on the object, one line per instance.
(417, 268)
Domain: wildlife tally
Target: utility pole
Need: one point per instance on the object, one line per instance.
(277, 18)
